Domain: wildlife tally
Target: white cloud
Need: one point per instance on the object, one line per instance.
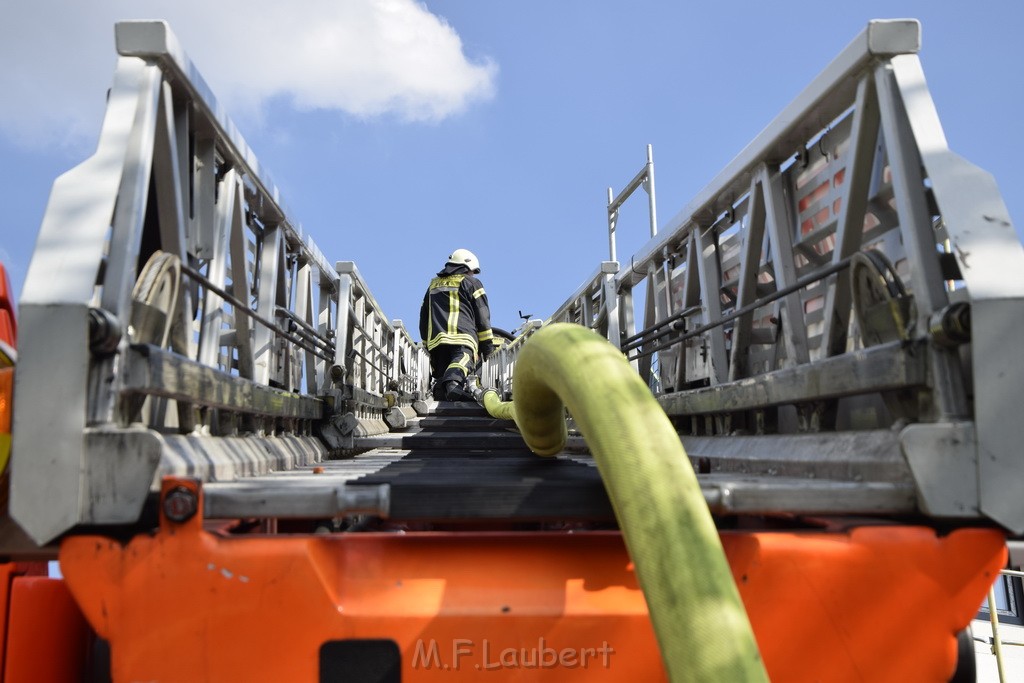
(366, 58)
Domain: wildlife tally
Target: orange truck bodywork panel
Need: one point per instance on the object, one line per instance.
(6, 410)
(47, 636)
(8, 323)
(9, 336)
(872, 603)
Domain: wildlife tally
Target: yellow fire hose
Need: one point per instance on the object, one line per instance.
(699, 620)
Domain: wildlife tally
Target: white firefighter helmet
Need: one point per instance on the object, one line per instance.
(464, 257)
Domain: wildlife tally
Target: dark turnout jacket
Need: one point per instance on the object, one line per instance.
(455, 310)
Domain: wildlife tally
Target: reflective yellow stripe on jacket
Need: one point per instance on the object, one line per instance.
(455, 311)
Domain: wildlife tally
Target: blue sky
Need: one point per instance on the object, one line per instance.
(542, 107)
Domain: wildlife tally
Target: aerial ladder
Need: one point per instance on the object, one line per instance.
(231, 451)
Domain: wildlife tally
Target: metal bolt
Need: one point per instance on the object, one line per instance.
(104, 332)
(180, 504)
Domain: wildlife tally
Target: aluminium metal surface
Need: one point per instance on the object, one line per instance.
(458, 464)
(374, 352)
(173, 299)
(845, 272)
(798, 382)
(643, 179)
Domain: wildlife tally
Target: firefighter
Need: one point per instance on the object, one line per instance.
(455, 325)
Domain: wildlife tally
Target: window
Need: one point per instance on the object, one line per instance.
(1009, 595)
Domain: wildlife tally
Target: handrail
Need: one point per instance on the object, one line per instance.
(747, 286)
(590, 286)
(639, 340)
(384, 343)
(498, 371)
(170, 166)
(822, 101)
(154, 40)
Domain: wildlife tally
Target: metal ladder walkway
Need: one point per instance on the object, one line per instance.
(804, 375)
(453, 465)
(457, 465)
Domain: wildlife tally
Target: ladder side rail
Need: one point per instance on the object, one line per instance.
(171, 164)
(504, 362)
(710, 278)
(410, 382)
(372, 351)
(740, 270)
(382, 352)
(660, 293)
(271, 265)
(857, 164)
(156, 41)
(602, 315)
(373, 364)
(408, 353)
(399, 356)
(612, 310)
(859, 173)
(293, 354)
(78, 326)
(587, 306)
(243, 279)
(657, 308)
(359, 340)
(790, 310)
(990, 258)
(55, 316)
(304, 311)
(124, 241)
(222, 147)
(341, 366)
(824, 100)
(713, 262)
(810, 196)
(228, 207)
(585, 293)
(753, 240)
(689, 303)
(645, 364)
(627, 280)
(492, 371)
(327, 328)
(826, 97)
(929, 286)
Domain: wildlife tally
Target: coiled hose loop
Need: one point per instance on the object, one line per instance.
(699, 620)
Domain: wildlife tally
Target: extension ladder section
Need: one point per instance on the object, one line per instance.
(835, 306)
(244, 483)
(497, 562)
(813, 323)
(195, 329)
(455, 466)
